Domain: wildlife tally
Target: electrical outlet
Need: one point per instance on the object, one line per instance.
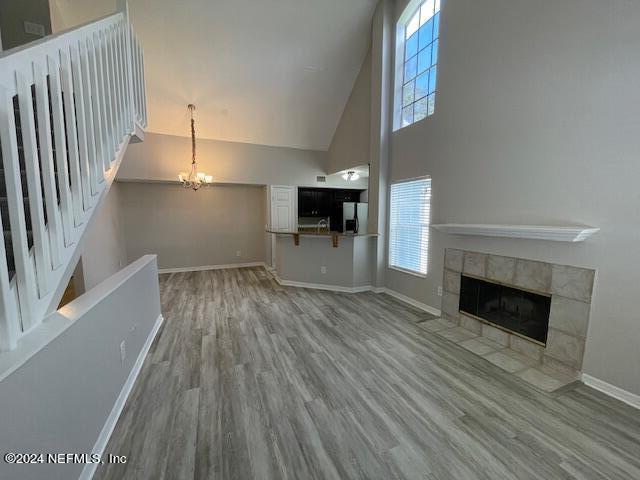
(439, 291)
(238, 253)
(123, 351)
(323, 270)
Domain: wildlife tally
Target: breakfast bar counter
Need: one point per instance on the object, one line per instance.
(305, 258)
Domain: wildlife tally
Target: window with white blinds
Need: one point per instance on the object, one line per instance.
(409, 218)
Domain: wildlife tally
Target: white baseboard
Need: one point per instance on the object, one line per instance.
(90, 468)
(321, 286)
(611, 390)
(365, 288)
(410, 301)
(210, 267)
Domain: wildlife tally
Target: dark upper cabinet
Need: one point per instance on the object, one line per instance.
(325, 202)
(306, 203)
(341, 196)
(324, 199)
(314, 202)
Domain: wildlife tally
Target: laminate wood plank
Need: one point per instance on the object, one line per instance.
(248, 379)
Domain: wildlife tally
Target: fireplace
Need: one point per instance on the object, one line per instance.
(519, 311)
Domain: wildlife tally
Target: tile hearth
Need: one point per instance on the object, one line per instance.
(548, 367)
(526, 367)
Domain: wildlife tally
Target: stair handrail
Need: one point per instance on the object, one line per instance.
(89, 82)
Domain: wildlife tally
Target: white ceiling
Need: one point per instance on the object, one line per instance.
(271, 72)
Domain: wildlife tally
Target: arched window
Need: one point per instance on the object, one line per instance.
(417, 40)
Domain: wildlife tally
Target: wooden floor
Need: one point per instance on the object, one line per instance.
(248, 379)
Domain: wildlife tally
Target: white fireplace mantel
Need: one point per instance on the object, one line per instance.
(567, 233)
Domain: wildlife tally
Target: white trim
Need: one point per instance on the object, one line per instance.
(410, 301)
(365, 288)
(90, 468)
(564, 233)
(211, 267)
(321, 286)
(411, 179)
(407, 271)
(611, 390)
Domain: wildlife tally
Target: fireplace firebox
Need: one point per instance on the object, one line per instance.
(522, 312)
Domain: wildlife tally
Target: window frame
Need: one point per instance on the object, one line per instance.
(412, 8)
(428, 225)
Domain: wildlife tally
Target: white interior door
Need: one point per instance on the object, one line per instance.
(283, 216)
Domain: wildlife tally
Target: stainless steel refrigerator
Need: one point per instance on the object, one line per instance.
(354, 217)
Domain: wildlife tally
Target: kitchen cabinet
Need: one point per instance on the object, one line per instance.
(314, 202)
(325, 202)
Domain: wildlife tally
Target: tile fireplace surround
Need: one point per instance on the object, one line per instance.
(546, 367)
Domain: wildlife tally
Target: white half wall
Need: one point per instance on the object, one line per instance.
(60, 399)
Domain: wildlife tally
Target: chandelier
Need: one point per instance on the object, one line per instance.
(194, 179)
(351, 176)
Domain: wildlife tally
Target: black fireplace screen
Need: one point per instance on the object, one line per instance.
(519, 311)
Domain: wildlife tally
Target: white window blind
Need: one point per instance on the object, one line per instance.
(409, 218)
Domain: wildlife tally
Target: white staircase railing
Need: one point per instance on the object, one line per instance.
(68, 107)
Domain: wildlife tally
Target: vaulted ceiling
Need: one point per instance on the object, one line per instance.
(272, 72)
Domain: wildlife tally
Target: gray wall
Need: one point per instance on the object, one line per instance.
(104, 245)
(381, 57)
(14, 13)
(536, 123)
(60, 399)
(71, 13)
(350, 144)
(160, 158)
(190, 229)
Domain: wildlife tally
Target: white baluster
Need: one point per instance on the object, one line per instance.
(131, 41)
(81, 119)
(9, 319)
(92, 144)
(66, 203)
(106, 141)
(9, 314)
(126, 79)
(139, 93)
(126, 46)
(144, 91)
(25, 274)
(114, 81)
(46, 163)
(96, 93)
(77, 191)
(120, 83)
(108, 86)
(32, 169)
